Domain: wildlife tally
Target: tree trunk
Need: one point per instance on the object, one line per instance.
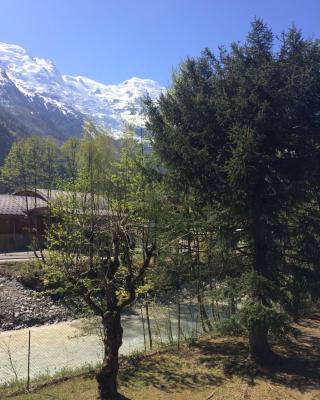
(259, 349)
(107, 375)
(205, 321)
(232, 305)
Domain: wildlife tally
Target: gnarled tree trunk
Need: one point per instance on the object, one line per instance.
(107, 375)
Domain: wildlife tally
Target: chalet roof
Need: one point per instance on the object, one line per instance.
(53, 194)
(19, 205)
(43, 194)
(23, 201)
(101, 202)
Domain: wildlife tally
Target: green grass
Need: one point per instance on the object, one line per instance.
(45, 379)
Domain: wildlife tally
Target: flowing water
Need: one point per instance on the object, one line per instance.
(72, 344)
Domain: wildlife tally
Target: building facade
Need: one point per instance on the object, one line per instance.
(21, 214)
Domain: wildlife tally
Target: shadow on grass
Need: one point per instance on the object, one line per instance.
(296, 366)
(213, 361)
(168, 374)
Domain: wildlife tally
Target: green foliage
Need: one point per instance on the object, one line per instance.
(31, 163)
(69, 151)
(102, 229)
(32, 275)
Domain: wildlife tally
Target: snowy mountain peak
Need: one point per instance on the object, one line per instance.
(108, 105)
(3, 75)
(12, 48)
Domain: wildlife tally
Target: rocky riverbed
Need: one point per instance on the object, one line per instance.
(21, 307)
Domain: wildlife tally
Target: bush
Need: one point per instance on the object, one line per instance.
(32, 276)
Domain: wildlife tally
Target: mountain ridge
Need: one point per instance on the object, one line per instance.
(107, 105)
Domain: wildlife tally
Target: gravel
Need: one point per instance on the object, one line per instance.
(21, 307)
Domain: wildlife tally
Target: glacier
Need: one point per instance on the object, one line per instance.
(108, 106)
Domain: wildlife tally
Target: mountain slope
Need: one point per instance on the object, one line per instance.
(22, 114)
(63, 101)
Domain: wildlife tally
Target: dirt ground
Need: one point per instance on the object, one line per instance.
(212, 369)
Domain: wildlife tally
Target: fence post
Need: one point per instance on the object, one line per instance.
(197, 319)
(29, 351)
(149, 327)
(144, 330)
(170, 335)
(179, 328)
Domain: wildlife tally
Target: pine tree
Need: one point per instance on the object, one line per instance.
(242, 129)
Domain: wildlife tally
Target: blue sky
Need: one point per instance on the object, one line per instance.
(113, 40)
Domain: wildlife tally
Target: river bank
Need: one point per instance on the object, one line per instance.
(77, 343)
(21, 307)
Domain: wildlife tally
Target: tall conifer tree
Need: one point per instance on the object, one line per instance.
(243, 129)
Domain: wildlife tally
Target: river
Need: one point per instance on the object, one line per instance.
(69, 345)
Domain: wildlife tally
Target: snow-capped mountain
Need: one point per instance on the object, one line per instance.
(68, 100)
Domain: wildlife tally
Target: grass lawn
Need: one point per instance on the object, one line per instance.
(213, 368)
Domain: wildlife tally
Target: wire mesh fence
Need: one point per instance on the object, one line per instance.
(44, 351)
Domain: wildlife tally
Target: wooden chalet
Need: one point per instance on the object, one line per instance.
(20, 213)
(26, 211)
